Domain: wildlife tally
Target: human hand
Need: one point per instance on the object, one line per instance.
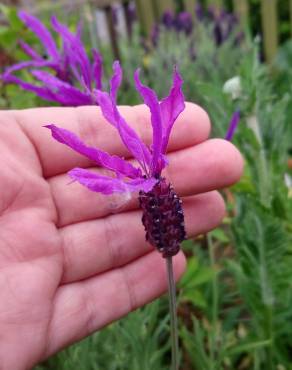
(71, 260)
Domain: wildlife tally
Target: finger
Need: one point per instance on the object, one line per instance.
(207, 166)
(83, 307)
(192, 127)
(92, 247)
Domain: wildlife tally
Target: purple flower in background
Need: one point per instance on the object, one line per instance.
(131, 16)
(155, 35)
(167, 19)
(160, 205)
(224, 25)
(51, 56)
(232, 125)
(184, 22)
(115, 12)
(131, 11)
(72, 78)
(199, 11)
(217, 32)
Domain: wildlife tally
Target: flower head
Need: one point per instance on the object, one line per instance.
(167, 19)
(199, 11)
(72, 77)
(147, 177)
(184, 22)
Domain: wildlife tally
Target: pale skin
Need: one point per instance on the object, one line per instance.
(71, 260)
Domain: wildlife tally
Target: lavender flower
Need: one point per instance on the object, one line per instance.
(74, 78)
(131, 16)
(131, 10)
(155, 33)
(184, 22)
(115, 16)
(167, 19)
(217, 33)
(224, 25)
(162, 212)
(199, 11)
(232, 125)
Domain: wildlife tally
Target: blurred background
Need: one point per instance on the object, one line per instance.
(235, 300)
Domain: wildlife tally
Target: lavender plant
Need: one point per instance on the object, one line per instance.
(163, 216)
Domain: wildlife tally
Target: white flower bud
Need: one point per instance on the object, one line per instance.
(233, 87)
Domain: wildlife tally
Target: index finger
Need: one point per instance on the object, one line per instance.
(192, 127)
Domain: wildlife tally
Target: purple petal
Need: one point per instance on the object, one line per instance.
(97, 69)
(232, 125)
(171, 107)
(42, 92)
(76, 52)
(30, 51)
(102, 158)
(116, 80)
(107, 185)
(66, 93)
(30, 63)
(152, 102)
(42, 32)
(127, 134)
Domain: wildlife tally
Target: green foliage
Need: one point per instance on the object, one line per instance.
(139, 341)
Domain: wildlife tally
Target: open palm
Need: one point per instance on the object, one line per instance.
(72, 261)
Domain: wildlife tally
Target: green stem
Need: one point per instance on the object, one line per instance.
(215, 298)
(262, 165)
(173, 314)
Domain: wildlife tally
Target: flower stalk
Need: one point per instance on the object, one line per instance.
(162, 213)
(173, 314)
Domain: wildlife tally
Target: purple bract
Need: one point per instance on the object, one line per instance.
(69, 77)
(147, 177)
(232, 125)
(151, 160)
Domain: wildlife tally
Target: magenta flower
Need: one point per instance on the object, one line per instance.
(232, 125)
(162, 212)
(74, 78)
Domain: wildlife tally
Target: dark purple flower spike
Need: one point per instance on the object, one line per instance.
(74, 77)
(167, 19)
(163, 218)
(184, 22)
(162, 211)
(199, 11)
